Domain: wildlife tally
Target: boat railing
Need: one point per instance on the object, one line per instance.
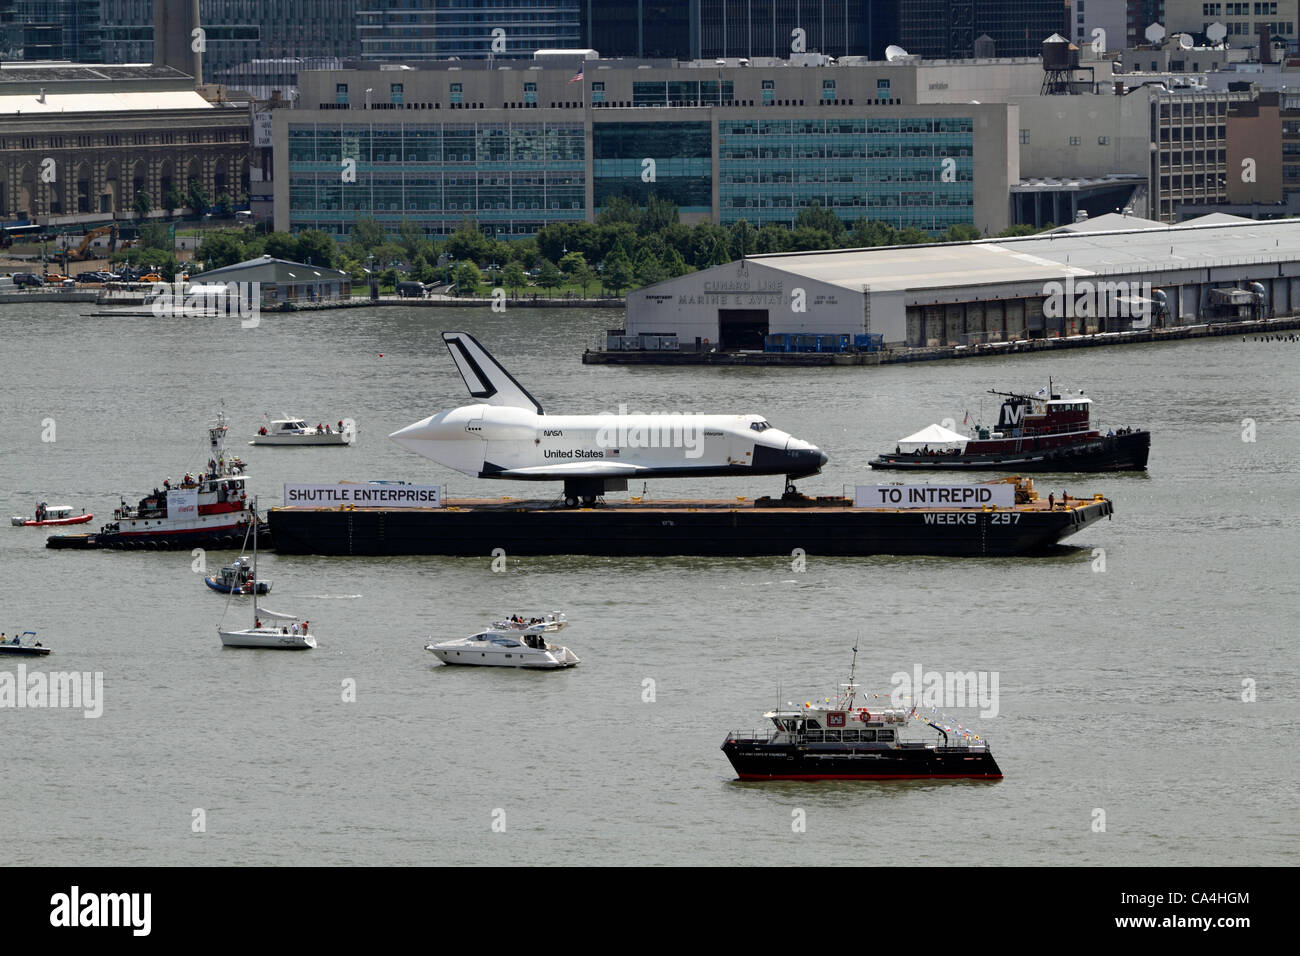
(870, 736)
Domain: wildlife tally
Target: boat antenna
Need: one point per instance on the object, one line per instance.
(853, 669)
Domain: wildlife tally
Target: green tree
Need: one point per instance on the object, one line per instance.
(317, 247)
(659, 215)
(818, 216)
(368, 233)
(468, 279)
(649, 270)
(467, 243)
(143, 205)
(515, 277)
(196, 197)
(867, 232)
(281, 245)
(219, 249)
(805, 238)
(572, 264)
(618, 271)
(912, 236)
(743, 240)
(1012, 231)
(619, 209)
(674, 264)
(157, 235)
(963, 232)
(550, 275)
(772, 238)
(225, 206)
(172, 200)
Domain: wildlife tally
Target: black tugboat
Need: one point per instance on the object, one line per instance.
(837, 740)
(1049, 431)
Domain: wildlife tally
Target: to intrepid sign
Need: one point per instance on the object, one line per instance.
(363, 496)
(934, 496)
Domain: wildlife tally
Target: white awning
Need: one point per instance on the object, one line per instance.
(933, 437)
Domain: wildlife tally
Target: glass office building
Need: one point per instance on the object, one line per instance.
(431, 29)
(512, 178)
(905, 172)
(669, 160)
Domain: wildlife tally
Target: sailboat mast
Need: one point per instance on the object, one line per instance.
(253, 516)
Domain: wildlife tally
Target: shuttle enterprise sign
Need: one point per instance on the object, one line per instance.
(363, 496)
(934, 496)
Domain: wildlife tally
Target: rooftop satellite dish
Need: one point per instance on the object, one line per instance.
(1155, 33)
(1216, 32)
(1184, 41)
(894, 53)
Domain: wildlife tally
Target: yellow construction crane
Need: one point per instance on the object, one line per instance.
(84, 251)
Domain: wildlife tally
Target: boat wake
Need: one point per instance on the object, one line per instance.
(332, 597)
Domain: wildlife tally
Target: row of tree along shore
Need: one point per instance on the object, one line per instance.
(625, 248)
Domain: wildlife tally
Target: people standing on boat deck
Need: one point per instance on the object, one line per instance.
(340, 424)
(1051, 501)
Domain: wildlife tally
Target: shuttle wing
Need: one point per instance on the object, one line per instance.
(484, 376)
(575, 469)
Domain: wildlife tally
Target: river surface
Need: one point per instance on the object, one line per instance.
(1122, 662)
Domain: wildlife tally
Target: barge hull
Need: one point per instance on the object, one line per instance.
(704, 530)
(847, 762)
(162, 541)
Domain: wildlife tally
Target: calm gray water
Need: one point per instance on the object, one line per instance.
(1120, 690)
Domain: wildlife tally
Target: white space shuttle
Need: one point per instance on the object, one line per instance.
(507, 435)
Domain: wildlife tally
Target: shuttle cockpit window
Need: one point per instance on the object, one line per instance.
(760, 426)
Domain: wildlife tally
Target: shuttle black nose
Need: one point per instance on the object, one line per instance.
(824, 458)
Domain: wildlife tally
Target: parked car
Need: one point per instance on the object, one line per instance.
(69, 283)
(54, 278)
(28, 279)
(151, 277)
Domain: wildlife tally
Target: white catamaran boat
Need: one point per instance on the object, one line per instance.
(290, 634)
(296, 431)
(501, 648)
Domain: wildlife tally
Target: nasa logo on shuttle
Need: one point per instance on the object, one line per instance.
(552, 433)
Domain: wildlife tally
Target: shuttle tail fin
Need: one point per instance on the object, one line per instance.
(485, 377)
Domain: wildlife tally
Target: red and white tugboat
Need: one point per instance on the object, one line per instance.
(838, 740)
(206, 509)
(1050, 431)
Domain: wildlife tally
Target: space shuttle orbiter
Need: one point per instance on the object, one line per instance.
(507, 435)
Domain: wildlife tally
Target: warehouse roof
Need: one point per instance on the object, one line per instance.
(1047, 257)
(267, 269)
(36, 104)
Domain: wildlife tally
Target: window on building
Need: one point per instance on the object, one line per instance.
(395, 93)
(341, 93)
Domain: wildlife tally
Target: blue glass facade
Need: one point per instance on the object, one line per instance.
(431, 29)
(513, 178)
(682, 169)
(904, 172)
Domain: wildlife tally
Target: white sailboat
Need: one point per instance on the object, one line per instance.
(282, 636)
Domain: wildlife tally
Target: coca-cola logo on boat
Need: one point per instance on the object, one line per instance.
(183, 504)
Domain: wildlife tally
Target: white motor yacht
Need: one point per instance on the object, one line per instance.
(549, 623)
(296, 431)
(497, 648)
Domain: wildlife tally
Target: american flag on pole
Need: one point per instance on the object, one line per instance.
(577, 77)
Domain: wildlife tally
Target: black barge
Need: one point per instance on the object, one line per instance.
(830, 527)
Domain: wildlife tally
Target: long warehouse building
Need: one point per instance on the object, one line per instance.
(1089, 278)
